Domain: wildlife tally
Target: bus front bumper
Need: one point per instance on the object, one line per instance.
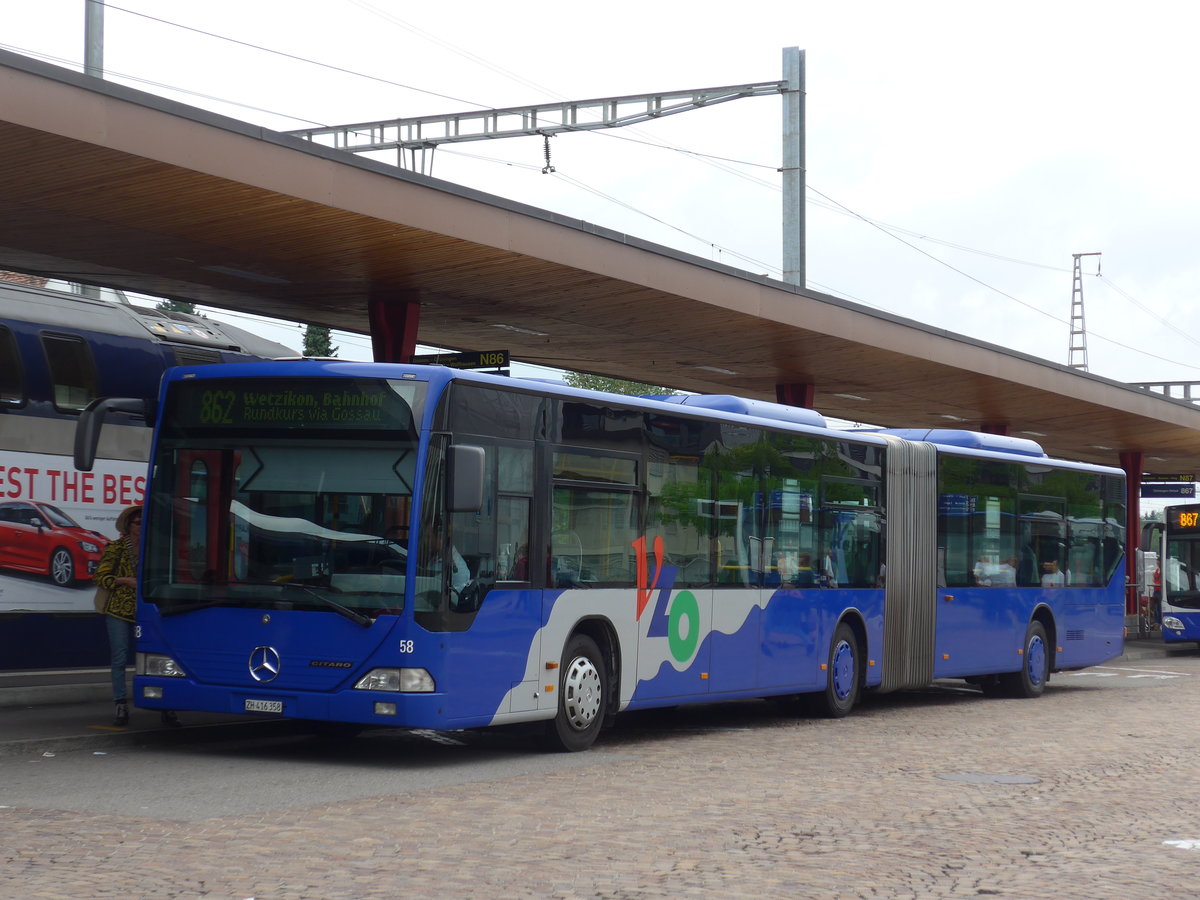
(382, 708)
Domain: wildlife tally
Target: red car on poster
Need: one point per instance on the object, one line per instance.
(38, 537)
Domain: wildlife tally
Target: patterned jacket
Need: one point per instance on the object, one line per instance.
(117, 561)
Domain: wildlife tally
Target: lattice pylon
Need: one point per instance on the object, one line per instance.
(1077, 354)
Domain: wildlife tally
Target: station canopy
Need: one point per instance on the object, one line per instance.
(108, 185)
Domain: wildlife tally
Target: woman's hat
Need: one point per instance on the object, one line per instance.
(123, 519)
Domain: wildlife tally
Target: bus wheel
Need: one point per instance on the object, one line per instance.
(62, 567)
(845, 675)
(581, 697)
(1035, 672)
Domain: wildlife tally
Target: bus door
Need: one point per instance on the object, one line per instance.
(792, 575)
(606, 563)
(481, 591)
(968, 559)
(986, 556)
(729, 594)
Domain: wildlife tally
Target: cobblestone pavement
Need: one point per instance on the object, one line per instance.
(1089, 792)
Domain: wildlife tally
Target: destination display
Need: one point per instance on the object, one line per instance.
(1185, 519)
(292, 402)
(478, 359)
(1151, 491)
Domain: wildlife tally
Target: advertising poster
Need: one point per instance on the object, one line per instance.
(54, 522)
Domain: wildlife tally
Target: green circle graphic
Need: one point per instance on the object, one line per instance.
(683, 607)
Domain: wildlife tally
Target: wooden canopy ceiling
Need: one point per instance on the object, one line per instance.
(108, 185)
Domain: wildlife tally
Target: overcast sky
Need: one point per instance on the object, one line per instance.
(958, 153)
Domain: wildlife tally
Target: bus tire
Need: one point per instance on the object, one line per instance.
(581, 697)
(845, 675)
(62, 567)
(1031, 680)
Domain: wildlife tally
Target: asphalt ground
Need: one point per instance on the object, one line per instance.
(1089, 792)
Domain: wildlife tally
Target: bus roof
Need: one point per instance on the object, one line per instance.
(722, 407)
(971, 440)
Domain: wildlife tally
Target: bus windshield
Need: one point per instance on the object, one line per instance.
(317, 520)
(1181, 573)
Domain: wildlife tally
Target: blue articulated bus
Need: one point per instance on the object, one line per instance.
(381, 544)
(1176, 540)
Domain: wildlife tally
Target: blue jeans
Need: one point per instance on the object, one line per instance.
(120, 645)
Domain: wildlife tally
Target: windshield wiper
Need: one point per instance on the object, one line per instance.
(356, 617)
(359, 618)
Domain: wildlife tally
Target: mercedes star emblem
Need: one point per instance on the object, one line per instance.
(264, 663)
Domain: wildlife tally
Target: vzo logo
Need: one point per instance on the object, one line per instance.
(678, 619)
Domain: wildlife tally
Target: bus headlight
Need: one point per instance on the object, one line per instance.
(1173, 623)
(404, 681)
(158, 665)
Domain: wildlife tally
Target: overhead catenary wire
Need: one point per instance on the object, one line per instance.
(984, 284)
(509, 74)
(835, 205)
(292, 56)
(831, 204)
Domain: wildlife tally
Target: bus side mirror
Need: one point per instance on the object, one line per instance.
(464, 469)
(87, 429)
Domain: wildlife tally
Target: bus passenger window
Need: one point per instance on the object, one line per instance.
(513, 527)
(736, 525)
(595, 519)
(593, 538)
(677, 509)
(514, 485)
(1085, 524)
(851, 534)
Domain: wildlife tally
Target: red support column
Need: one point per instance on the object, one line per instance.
(1133, 462)
(798, 394)
(394, 327)
(994, 428)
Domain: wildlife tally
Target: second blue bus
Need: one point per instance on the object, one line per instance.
(1176, 540)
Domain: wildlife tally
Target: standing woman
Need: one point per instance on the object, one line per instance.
(117, 572)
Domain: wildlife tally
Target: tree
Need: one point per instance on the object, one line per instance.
(317, 341)
(180, 306)
(612, 385)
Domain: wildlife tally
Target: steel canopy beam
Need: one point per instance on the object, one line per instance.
(423, 132)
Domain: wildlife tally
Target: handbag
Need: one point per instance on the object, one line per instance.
(101, 599)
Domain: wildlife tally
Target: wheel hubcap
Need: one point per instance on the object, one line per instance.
(582, 693)
(1036, 660)
(843, 670)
